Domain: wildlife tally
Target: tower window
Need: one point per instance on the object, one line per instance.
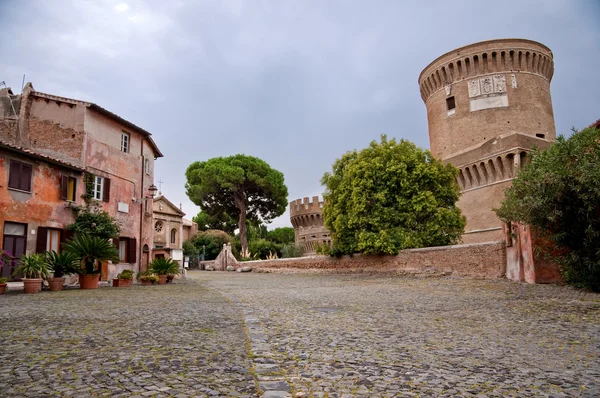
(540, 135)
(451, 105)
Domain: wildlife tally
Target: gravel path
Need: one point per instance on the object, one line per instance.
(178, 340)
(241, 335)
(362, 336)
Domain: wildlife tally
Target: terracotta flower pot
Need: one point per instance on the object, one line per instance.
(146, 283)
(3, 287)
(32, 285)
(121, 282)
(163, 279)
(56, 284)
(89, 281)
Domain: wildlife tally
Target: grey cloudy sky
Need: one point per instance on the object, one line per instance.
(296, 83)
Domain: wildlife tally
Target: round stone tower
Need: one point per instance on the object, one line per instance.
(308, 224)
(488, 104)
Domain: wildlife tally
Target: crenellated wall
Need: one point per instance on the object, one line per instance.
(307, 220)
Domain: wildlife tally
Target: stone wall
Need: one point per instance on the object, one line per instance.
(481, 260)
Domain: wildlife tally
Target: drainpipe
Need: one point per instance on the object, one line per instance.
(141, 246)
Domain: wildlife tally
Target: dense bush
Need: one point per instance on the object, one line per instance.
(291, 250)
(391, 196)
(263, 248)
(95, 223)
(189, 249)
(558, 194)
(213, 240)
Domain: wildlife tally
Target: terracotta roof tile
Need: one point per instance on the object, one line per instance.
(30, 153)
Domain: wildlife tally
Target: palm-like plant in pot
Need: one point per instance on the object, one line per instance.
(91, 251)
(34, 269)
(163, 266)
(64, 263)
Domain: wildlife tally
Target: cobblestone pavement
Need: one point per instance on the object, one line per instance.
(308, 336)
(378, 336)
(178, 340)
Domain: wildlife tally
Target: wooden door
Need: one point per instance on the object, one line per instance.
(15, 243)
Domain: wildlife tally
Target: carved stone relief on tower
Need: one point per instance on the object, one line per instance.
(474, 89)
(499, 84)
(486, 85)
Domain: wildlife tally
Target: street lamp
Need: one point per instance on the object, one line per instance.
(152, 190)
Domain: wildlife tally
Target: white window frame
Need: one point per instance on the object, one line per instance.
(98, 188)
(125, 141)
(147, 166)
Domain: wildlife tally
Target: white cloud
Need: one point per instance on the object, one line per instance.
(121, 7)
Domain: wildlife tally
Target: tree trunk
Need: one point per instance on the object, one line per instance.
(241, 204)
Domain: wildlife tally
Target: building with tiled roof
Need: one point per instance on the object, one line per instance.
(53, 150)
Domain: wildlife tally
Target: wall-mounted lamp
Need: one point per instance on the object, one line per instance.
(152, 190)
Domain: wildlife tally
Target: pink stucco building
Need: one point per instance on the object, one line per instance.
(76, 138)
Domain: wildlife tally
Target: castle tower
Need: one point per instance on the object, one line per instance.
(488, 104)
(307, 221)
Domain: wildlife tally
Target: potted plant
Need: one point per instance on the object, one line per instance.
(163, 266)
(3, 285)
(124, 279)
(64, 263)
(34, 269)
(91, 251)
(147, 278)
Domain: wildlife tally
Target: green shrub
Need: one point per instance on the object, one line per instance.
(213, 241)
(63, 263)
(126, 274)
(189, 249)
(391, 196)
(558, 195)
(291, 250)
(263, 248)
(164, 266)
(33, 266)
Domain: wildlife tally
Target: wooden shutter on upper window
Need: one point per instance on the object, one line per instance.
(64, 186)
(132, 250)
(15, 172)
(42, 240)
(26, 171)
(106, 193)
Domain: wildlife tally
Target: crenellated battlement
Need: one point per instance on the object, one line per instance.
(486, 58)
(300, 207)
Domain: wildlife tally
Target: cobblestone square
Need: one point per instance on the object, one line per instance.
(240, 335)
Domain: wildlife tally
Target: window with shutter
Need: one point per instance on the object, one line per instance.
(131, 256)
(64, 186)
(98, 187)
(20, 176)
(106, 192)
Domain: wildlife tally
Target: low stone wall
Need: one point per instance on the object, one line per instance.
(481, 260)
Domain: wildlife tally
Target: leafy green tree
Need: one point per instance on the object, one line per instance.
(211, 242)
(189, 249)
(89, 221)
(240, 185)
(558, 194)
(391, 196)
(220, 221)
(263, 248)
(283, 235)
